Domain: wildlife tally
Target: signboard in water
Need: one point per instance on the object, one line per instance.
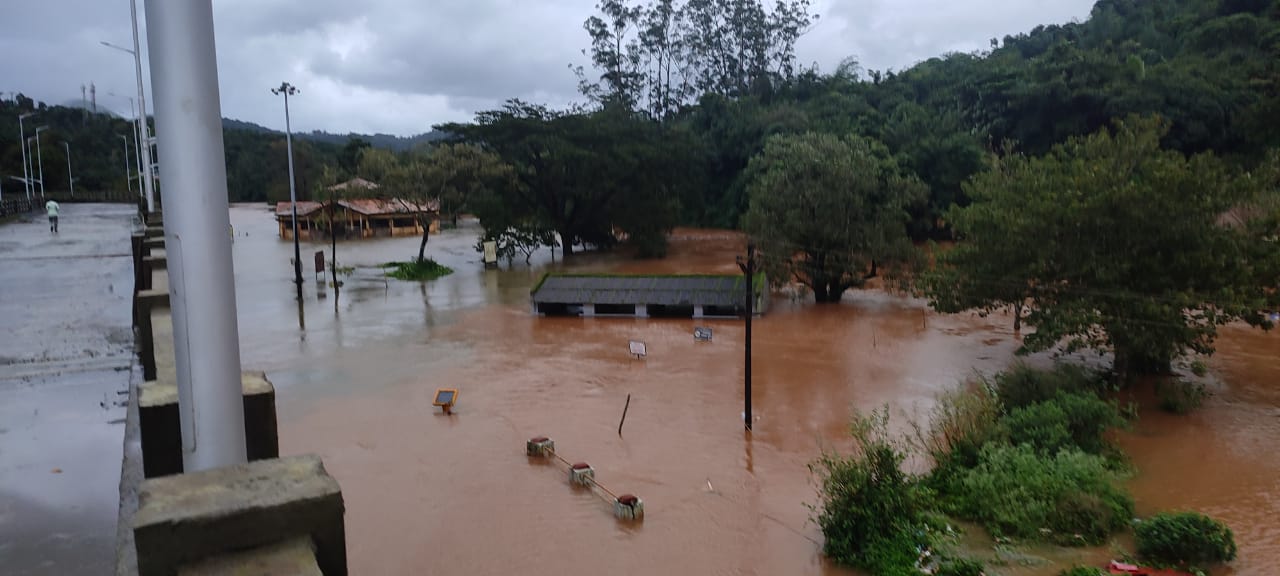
(490, 252)
(638, 349)
(702, 334)
(445, 397)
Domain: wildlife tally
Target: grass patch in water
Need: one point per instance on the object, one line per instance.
(420, 271)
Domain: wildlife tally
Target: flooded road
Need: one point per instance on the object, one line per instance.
(65, 352)
(430, 493)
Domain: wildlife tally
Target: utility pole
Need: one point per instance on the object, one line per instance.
(22, 140)
(40, 155)
(749, 272)
(128, 180)
(288, 90)
(70, 179)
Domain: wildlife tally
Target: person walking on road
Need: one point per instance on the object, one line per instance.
(52, 208)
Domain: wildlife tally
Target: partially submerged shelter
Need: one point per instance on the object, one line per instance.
(679, 296)
(358, 217)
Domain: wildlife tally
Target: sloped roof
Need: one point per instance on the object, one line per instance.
(727, 290)
(376, 206)
(305, 207)
(358, 183)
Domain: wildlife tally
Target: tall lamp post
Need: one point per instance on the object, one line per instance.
(40, 155)
(128, 180)
(286, 89)
(145, 159)
(22, 141)
(137, 130)
(71, 181)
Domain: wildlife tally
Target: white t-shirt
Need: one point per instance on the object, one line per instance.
(51, 207)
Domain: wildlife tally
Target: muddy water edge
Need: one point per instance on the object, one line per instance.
(427, 492)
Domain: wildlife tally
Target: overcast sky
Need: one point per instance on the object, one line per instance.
(399, 66)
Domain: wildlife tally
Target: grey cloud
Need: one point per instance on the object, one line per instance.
(399, 66)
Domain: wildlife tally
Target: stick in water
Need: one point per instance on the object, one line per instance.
(624, 414)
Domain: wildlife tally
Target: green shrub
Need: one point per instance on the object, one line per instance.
(1180, 397)
(960, 567)
(872, 514)
(962, 422)
(425, 270)
(1068, 498)
(1022, 385)
(1184, 539)
(1199, 368)
(1068, 420)
(1083, 571)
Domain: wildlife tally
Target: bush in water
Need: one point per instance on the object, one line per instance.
(1184, 539)
(872, 514)
(1023, 385)
(1069, 498)
(1083, 571)
(1067, 420)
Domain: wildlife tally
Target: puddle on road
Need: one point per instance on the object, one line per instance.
(427, 492)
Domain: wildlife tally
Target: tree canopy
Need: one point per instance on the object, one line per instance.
(827, 211)
(1115, 244)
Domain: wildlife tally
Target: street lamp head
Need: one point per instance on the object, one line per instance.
(40, 129)
(27, 115)
(120, 48)
(285, 88)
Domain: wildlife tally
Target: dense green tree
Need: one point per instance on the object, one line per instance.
(582, 173)
(827, 211)
(1114, 244)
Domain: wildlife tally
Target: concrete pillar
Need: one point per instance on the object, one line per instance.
(642, 310)
(588, 310)
(697, 312)
(189, 518)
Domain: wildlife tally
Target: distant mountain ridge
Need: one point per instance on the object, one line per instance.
(388, 141)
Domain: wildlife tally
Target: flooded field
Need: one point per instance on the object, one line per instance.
(430, 493)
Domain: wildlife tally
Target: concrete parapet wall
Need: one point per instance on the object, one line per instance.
(161, 426)
(184, 522)
(296, 557)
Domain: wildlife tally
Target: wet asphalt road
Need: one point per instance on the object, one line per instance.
(65, 354)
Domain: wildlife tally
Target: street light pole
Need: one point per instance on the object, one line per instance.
(202, 291)
(128, 181)
(22, 141)
(145, 157)
(40, 155)
(137, 129)
(71, 181)
(287, 90)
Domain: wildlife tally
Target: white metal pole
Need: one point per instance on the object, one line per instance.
(137, 146)
(128, 181)
(22, 140)
(202, 292)
(40, 155)
(147, 183)
(71, 180)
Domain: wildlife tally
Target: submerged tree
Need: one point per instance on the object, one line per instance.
(829, 211)
(1116, 245)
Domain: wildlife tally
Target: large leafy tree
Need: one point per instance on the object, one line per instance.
(1114, 244)
(580, 174)
(827, 211)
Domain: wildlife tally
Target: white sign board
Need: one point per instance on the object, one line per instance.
(491, 252)
(702, 334)
(638, 349)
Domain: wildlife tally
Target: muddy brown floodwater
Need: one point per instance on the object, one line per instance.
(431, 493)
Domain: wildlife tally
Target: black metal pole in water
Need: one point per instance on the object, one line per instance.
(749, 269)
(624, 414)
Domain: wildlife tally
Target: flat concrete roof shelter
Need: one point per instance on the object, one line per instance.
(691, 296)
